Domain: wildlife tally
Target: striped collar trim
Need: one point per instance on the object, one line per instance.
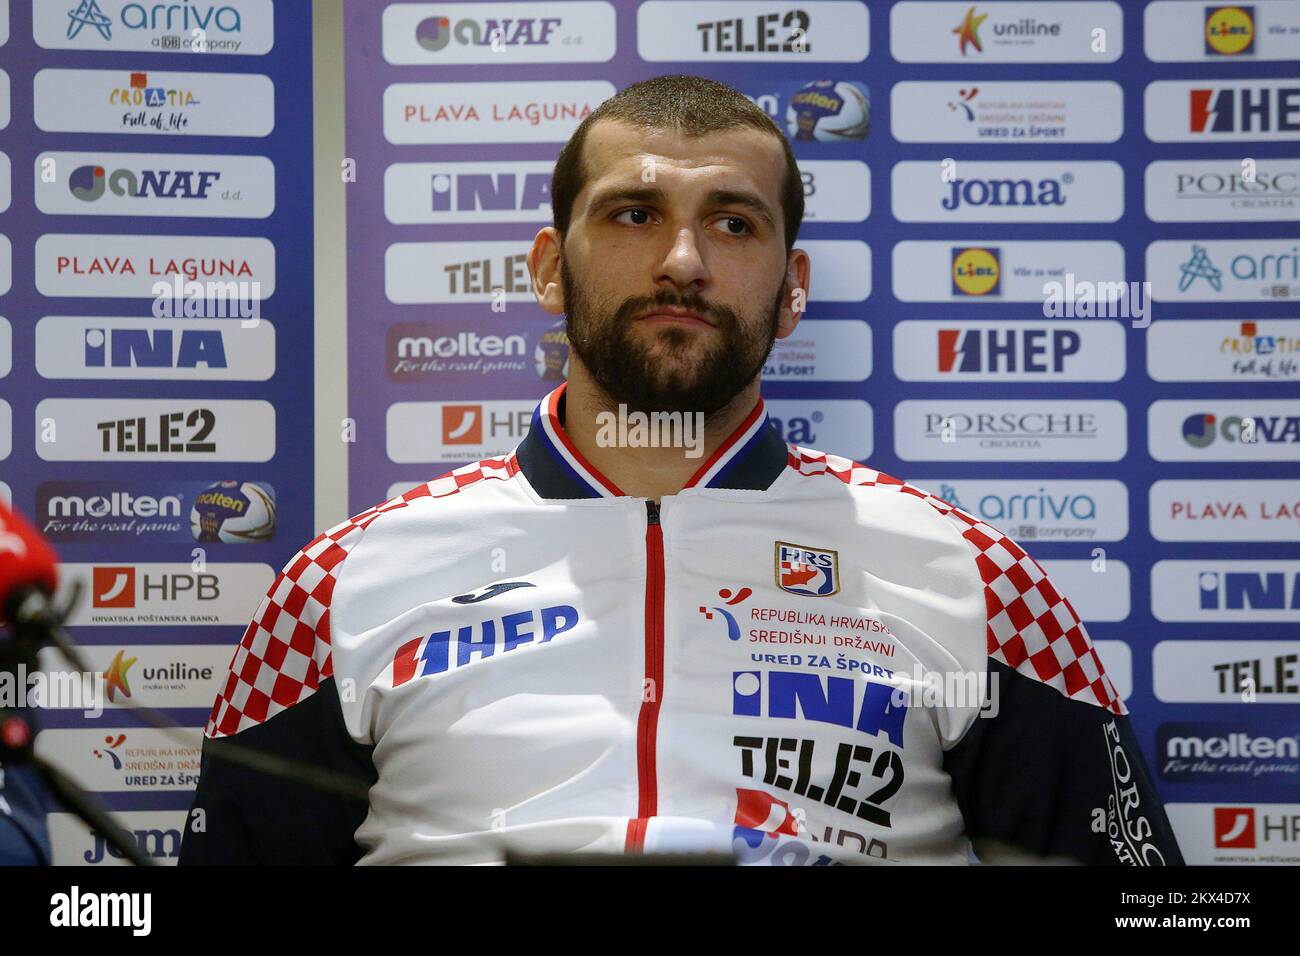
(751, 457)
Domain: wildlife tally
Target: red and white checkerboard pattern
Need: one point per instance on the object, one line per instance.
(1031, 626)
(285, 652)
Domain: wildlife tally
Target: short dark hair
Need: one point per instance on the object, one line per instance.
(691, 105)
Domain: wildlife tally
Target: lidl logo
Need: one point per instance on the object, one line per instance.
(976, 270)
(1229, 31)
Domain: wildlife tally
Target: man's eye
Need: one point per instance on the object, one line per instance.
(643, 213)
(735, 226)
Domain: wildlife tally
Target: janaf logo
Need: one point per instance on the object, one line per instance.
(87, 183)
(1202, 429)
(1007, 192)
(434, 33)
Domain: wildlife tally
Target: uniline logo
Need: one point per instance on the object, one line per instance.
(115, 676)
(968, 31)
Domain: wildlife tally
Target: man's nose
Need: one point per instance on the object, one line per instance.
(684, 263)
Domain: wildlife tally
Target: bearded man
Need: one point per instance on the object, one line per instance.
(720, 643)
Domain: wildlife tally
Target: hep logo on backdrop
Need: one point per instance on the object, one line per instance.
(811, 572)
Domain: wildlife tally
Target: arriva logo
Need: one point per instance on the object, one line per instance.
(87, 183)
(180, 17)
(1007, 192)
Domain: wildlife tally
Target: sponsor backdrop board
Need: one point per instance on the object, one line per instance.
(988, 186)
(156, 357)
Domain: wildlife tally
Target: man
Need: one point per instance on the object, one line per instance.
(735, 645)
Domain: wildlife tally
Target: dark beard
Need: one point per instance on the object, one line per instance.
(625, 368)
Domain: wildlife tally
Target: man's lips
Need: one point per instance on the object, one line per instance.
(676, 317)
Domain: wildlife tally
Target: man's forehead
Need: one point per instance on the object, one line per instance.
(614, 150)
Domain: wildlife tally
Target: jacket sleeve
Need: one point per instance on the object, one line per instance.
(1051, 768)
(303, 800)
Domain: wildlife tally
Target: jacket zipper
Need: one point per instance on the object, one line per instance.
(653, 686)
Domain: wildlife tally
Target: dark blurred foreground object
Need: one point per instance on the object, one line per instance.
(24, 840)
(615, 859)
(29, 621)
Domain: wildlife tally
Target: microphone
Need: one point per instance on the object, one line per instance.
(28, 565)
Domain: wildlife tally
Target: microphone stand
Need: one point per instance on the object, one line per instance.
(34, 623)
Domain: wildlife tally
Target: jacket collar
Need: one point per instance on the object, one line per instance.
(751, 458)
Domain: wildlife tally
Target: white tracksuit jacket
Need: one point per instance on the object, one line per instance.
(796, 660)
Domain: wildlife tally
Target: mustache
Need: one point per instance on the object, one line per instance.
(722, 316)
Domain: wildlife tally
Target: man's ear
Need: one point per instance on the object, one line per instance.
(544, 269)
(798, 274)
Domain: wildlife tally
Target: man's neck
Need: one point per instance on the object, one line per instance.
(609, 441)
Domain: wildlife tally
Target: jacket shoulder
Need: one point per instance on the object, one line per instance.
(285, 652)
(1031, 627)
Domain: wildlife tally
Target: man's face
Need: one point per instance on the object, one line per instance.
(674, 267)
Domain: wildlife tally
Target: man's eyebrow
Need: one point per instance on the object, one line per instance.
(616, 194)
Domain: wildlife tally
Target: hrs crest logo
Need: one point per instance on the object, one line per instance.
(808, 571)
